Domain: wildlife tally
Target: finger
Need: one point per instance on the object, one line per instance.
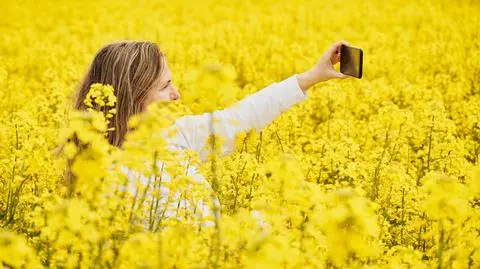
(337, 45)
(334, 51)
(342, 42)
(340, 75)
(335, 58)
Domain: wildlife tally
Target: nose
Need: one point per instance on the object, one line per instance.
(175, 95)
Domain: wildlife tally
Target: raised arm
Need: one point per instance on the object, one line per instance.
(255, 111)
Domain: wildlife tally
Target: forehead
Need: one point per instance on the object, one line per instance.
(166, 75)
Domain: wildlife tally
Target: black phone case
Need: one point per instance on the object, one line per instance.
(343, 69)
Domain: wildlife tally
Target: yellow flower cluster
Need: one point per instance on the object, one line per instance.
(382, 172)
(101, 98)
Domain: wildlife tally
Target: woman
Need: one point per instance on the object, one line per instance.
(139, 73)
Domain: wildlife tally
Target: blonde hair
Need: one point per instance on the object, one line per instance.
(133, 68)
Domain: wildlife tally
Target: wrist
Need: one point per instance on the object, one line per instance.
(306, 80)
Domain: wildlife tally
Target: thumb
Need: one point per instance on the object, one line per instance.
(337, 74)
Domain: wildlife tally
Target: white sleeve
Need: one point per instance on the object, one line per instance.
(255, 111)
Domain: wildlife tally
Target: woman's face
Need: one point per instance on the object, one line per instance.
(165, 90)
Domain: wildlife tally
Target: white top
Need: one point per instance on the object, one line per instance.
(255, 111)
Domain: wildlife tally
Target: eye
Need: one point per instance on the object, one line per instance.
(166, 86)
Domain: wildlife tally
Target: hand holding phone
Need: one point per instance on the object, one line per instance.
(351, 61)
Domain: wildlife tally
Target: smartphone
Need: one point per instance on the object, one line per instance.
(351, 61)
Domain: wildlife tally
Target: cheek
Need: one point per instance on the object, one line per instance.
(152, 97)
(162, 95)
(159, 95)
